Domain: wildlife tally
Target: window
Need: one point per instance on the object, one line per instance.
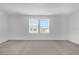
(33, 25)
(44, 25)
(41, 25)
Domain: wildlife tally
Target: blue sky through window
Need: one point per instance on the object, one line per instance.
(33, 21)
(44, 22)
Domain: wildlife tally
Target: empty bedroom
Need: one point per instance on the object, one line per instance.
(39, 28)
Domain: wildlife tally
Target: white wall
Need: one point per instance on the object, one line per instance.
(18, 28)
(74, 28)
(3, 27)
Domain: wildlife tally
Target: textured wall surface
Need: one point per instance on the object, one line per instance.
(74, 28)
(19, 28)
(3, 27)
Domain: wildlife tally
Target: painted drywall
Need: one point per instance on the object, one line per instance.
(74, 27)
(19, 28)
(3, 27)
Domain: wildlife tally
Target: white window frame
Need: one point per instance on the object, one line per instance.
(33, 25)
(38, 26)
(46, 27)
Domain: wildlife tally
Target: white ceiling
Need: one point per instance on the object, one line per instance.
(39, 8)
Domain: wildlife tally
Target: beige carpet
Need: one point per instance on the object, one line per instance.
(39, 47)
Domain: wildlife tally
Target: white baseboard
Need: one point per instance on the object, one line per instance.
(25, 38)
(3, 40)
(75, 41)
